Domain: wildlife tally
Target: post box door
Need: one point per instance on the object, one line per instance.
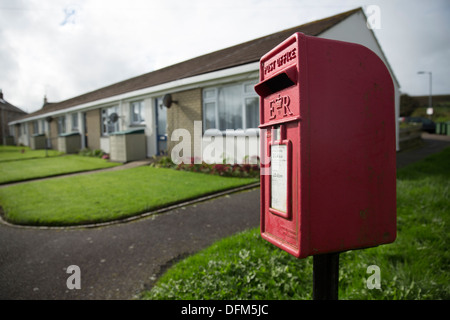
(280, 133)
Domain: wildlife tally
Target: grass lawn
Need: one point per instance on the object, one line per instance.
(12, 171)
(106, 196)
(10, 153)
(415, 266)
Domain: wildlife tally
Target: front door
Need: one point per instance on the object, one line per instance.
(161, 127)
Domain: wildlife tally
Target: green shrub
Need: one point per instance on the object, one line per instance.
(163, 162)
(86, 152)
(221, 169)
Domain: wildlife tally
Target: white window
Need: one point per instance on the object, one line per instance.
(74, 121)
(36, 127)
(110, 121)
(42, 126)
(137, 112)
(62, 125)
(234, 106)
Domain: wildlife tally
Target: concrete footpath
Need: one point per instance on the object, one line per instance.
(432, 143)
(118, 261)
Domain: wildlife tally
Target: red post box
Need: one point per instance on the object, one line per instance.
(328, 154)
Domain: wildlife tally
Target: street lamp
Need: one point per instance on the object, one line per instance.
(430, 106)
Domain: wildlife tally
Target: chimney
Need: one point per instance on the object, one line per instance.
(1, 94)
(45, 100)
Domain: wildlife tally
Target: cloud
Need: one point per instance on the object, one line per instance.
(64, 49)
(414, 36)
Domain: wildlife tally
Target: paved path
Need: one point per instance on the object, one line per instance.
(431, 144)
(120, 260)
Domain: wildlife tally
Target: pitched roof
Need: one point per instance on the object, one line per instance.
(8, 106)
(237, 55)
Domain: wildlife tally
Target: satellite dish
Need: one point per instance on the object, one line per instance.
(167, 100)
(113, 117)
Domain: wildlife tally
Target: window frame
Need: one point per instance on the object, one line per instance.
(104, 115)
(75, 124)
(210, 97)
(42, 128)
(61, 125)
(141, 113)
(36, 127)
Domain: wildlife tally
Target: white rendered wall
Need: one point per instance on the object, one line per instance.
(354, 29)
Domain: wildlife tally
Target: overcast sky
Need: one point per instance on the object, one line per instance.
(64, 48)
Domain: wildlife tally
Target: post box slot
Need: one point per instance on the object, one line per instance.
(279, 82)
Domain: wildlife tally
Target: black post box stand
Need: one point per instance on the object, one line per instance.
(326, 276)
